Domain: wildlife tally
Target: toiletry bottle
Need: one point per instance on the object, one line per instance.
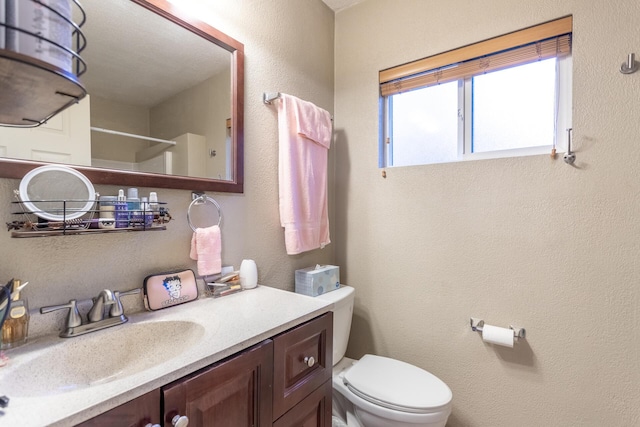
(133, 206)
(16, 326)
(147, 214)
(153, 204)
(107, 212)
(121, 210)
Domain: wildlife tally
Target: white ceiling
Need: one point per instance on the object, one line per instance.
(129, 64)
(337, 5)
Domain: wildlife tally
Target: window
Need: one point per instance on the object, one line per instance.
(507, 96)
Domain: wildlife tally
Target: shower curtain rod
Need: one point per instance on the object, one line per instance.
(132, 135)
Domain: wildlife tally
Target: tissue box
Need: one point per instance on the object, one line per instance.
(314, 281)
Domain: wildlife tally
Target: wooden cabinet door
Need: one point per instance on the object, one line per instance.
(136, 413)
(232, 393)
(313, 411)
(302, 362)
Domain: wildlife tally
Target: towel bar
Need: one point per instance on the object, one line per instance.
(269, 97)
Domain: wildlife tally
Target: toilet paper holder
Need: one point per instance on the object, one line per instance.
(478, 324)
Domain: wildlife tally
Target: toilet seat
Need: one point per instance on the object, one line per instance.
(397, 385)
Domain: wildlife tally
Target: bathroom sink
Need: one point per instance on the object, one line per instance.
(101, 357)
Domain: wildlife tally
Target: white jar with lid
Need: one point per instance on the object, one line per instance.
(248, 274)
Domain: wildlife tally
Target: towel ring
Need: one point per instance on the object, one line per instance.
(202, 200)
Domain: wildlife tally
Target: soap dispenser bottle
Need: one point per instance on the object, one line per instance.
(16, 326)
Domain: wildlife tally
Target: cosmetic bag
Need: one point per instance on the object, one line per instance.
(168, 289)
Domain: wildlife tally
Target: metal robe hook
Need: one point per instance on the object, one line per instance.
(631, 66)
(569, 156)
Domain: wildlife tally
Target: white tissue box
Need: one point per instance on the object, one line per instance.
(314, 281)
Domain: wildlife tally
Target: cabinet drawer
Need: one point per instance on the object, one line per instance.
(302, 359)
(313, 411)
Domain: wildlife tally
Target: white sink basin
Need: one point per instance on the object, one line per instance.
(100, 357)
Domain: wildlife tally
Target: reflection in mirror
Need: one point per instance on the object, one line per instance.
(171, 85)
(165, 102)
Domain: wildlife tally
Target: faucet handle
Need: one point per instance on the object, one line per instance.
(116, 309)
(73, 319)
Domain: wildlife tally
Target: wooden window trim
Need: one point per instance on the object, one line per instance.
(547, 30)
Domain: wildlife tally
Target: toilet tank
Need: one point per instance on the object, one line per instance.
(342, 299)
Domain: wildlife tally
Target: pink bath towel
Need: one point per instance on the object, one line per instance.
(304, 138)
(206, 248)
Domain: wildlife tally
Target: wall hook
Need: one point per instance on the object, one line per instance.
(631, 66)
(569, 156)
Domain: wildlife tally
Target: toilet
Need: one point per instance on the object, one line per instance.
(377, 391)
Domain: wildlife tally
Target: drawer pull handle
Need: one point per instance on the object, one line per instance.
(152, 425)
(180, 421)
(309, 361)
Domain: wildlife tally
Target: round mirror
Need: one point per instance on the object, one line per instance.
(57, 193)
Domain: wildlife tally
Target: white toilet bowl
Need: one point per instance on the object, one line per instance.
(386, 392)
(378, 391)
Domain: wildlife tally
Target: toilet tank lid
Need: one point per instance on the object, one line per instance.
(397, 385)
(343, 293)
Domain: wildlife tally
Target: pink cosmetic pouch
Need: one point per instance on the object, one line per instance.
(168, 289)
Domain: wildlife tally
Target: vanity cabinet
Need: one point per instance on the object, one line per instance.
(232, 393)
(136, 413)
(284, 381)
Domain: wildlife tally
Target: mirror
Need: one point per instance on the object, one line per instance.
(165, 99)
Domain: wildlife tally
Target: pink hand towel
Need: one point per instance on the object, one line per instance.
(206, 248)
(304, 138)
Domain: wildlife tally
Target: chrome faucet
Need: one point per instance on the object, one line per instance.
(96, 317)
(96, 313)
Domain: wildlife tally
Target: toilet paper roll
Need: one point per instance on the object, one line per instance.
(497, 335)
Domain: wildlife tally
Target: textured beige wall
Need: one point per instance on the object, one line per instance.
(202, 109)
(288, 48)
(527, 241)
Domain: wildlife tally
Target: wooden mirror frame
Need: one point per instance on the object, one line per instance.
(14, 168)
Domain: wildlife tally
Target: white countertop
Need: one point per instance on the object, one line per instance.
(229, 325)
